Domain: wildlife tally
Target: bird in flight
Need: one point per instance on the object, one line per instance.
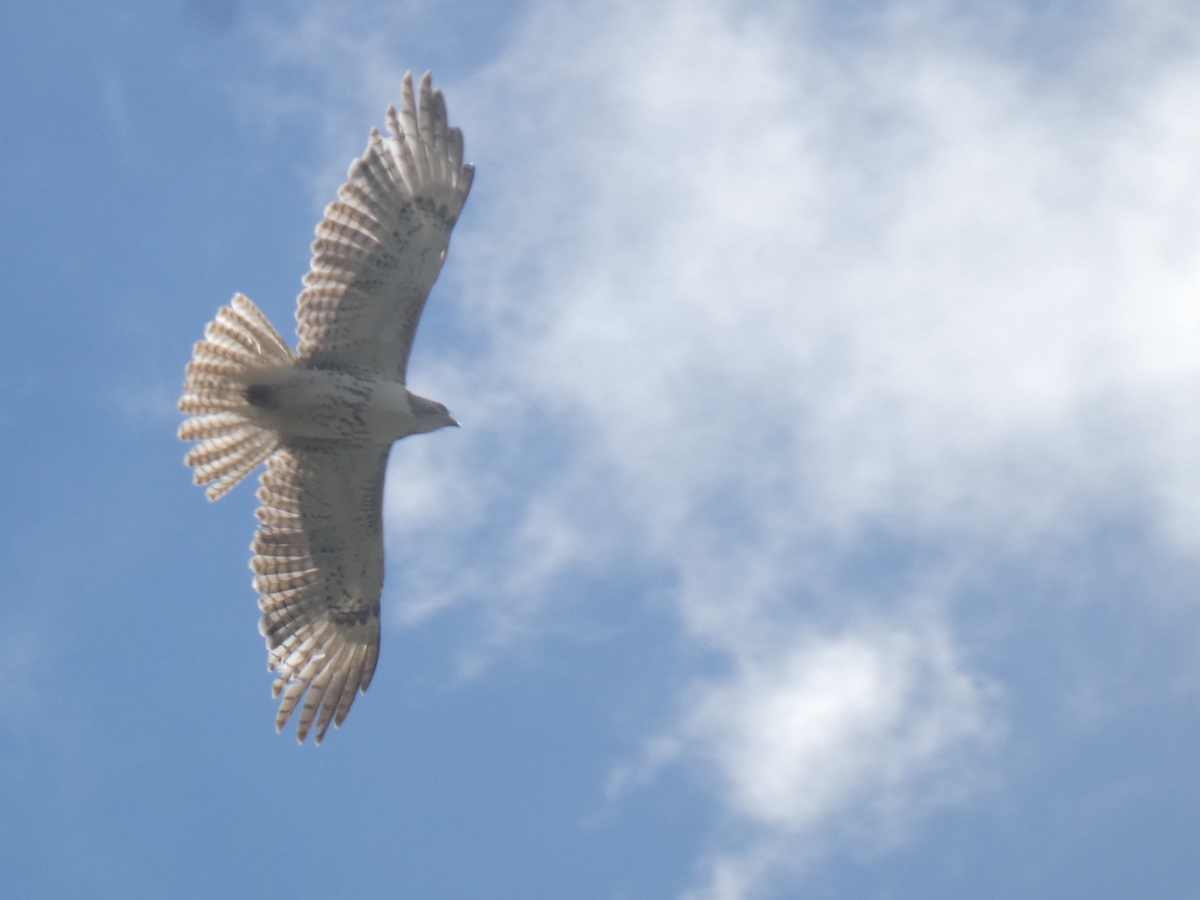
(324, 417)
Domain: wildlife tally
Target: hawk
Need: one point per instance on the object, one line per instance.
(324, 417)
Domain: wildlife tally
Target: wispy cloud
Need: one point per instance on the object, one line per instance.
(748, 300)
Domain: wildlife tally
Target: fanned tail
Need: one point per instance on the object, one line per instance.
(238, 342)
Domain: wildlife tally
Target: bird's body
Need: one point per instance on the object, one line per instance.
(324, 404)
(324, 418)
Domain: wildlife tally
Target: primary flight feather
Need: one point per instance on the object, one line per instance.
(324, 418)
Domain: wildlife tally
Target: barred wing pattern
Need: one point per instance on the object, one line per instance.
(319, 567)
(381, 244)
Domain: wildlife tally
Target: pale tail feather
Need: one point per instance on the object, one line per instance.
(231, 445)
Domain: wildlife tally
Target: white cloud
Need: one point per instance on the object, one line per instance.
(855, 728)
(743, 294)
(797, 736)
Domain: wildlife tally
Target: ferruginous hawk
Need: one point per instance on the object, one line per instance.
(324, 418)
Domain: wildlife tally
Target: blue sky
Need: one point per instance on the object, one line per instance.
(825, 521)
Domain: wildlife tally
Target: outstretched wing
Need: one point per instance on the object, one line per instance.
(318, 565)
(381, 244)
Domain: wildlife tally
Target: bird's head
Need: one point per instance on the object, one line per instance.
(430, 414)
